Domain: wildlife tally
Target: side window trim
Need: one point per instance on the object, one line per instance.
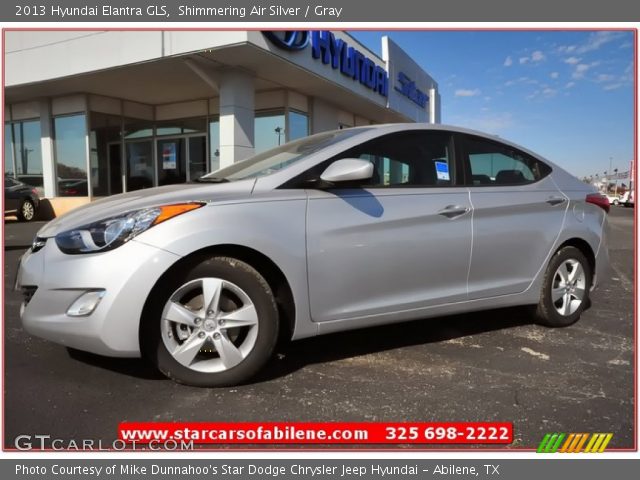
(302, 180)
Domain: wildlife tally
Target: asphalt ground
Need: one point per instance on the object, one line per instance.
(489, 366)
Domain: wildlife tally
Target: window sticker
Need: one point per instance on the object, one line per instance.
(442, 171)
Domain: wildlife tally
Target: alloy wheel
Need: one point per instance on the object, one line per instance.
(209, 325)
(569, 287)
(27, 211)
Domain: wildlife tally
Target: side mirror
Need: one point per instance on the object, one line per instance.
(347, 170)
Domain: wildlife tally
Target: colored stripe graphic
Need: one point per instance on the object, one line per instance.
(598, 442)
(595, 443)
(550, 443)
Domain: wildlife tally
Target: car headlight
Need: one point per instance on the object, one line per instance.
(112, 232)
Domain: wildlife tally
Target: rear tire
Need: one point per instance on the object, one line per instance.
(27, 211)
(214, 324)
(565, 289)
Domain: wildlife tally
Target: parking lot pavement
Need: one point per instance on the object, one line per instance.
(493, 365)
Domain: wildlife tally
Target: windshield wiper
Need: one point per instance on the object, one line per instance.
(211, 180)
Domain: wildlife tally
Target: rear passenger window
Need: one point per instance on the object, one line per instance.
(495, 164)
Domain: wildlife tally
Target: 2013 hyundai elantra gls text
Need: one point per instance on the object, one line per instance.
(336, 231)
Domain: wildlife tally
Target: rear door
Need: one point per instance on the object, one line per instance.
(402, 242)
(518, 213)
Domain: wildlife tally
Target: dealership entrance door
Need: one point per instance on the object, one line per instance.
(181, 159)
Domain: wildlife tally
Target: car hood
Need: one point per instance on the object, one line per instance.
(150, 197)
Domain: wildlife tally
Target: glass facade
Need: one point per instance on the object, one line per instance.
(70, 155)
(172, 161)
(214, 145)
(139, 156)
(298, 125)
(23, 151)
(126, 154)
(269, 130)
(8, 150)
(105, 154)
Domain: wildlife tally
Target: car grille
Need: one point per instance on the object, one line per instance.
(27, 293)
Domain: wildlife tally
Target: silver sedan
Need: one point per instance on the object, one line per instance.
(340, 230)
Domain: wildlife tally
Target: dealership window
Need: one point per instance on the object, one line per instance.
(298, 125)
(181, 127)
(135, 128)
(105, 154)
(214, 145)
(269, 130)
(23, 152)
(8, 150)
(71, 157)
(139, 164)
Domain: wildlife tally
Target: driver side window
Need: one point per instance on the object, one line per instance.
(407, 159)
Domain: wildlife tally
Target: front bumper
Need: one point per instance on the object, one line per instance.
(54, 280)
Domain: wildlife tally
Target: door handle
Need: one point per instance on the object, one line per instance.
(553, 201)
(452, 211)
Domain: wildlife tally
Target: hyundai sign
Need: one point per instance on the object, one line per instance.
(337, 53)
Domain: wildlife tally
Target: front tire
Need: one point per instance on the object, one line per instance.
(565, 289)
(214, 324)
(27, 211)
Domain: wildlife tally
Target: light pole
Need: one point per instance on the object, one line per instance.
(279, 131)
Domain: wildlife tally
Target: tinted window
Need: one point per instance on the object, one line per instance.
(414, 159)
(491, 163)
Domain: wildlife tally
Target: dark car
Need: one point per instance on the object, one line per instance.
(73, 188)
(21, 199)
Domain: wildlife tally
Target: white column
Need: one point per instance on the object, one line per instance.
(46, 142)
(434, 106)
(237, 116)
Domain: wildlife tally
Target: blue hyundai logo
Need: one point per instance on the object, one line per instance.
(289, 39)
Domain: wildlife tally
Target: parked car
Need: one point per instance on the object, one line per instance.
(340, 230)
(628, 199)
(73, 188)
(33, 180)
(20, 199)
(613, 200)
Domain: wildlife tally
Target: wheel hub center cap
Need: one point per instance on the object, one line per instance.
(209, 325)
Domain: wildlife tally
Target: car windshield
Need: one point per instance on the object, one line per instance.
(280, 157)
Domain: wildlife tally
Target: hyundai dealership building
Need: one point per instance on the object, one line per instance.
(94, 113)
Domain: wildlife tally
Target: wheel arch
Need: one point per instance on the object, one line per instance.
(263, 264)
(584, 247)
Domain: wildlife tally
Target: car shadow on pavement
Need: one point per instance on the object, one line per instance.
(17, 247)
(292, 356)
(133, 367)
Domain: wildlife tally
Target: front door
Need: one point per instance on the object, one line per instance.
(181, 159)
(172, 161)
(402, 242)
